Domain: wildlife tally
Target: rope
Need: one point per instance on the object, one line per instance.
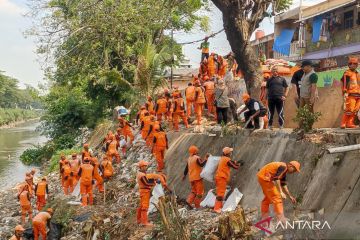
(210, 36)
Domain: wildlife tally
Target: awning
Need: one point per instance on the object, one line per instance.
(283, 41)
(334, 52)
(325, 10)
(316, 28)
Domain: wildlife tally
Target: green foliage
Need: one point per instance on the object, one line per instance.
(282, 5)
(10, 115)
(306, 118)
(13, 97)
(37, 155)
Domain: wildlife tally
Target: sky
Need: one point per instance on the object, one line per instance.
(19, 60)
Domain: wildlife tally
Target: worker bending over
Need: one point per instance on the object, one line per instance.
(146, 182)
(106, 168)
(39, 223)
(19, 231)
(25, 205)
(255, 111)
(194, 167)
(222, 176)
(272, 179)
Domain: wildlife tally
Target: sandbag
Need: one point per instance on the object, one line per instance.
(209, 200)
(208, 171)
(157, 192)
(232, 201)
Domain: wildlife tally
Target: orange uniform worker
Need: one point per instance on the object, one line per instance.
(112, 147)
(145, 125)
(86, 151)
(106, 168)
(159, 147)
(199, 102)
(86, 174)
(194, 167)
(75, 165)
(204, 70)
(30, 183)
(222, 66)
(150, 106)
(272, 179)
(263, 97)
(222, 176)
(126, 129)
(190, 98)
(179, 111)
(150, 136)
(39, 223)
(161, 108)
(67, 175)
(19, 231)
(99, 180)
(209, 86)
(41, 190)
(146, 182)
(141, 114)
(212, 67)
(24, 198)
(351, 91)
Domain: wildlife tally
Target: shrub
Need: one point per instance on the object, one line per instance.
(306, 119)
(38, 154)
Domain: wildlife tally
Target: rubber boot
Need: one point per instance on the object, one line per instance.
(197, 201)
(190, 199)
(350, 122)
(218, 206)
(344, 121)
(138, 215)
(144, 219)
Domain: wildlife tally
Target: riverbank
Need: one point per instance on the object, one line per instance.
(12, 117)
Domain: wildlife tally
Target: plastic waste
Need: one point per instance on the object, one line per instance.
(55, 231)
(76, 192)
(157, 192)
(122, 143)
(209, 200)
(232, 201)
(241, 116)
(208, 171)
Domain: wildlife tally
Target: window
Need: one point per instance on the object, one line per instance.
(349, 19)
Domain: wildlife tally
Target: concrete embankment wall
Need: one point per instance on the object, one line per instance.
(329, 181)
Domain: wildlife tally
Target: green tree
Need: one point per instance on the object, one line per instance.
(241, 18)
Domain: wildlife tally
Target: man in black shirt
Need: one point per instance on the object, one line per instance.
(277, 91)
(296, 81)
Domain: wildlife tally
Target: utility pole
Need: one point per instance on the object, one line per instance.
(172, 58)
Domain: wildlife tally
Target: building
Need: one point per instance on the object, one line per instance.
(182, 74)
(264, 45)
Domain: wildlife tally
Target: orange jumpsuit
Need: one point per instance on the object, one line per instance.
(39, 225)
(210, 96)
(126, 130)
(25, 205)
(194, 168)
(66, 172)
(145, 126)
(351, 81)
(204, 68)
(211, 66)
(75, 165)
(150, 136)
(159, 148)
(190, 99)
(161, 108)
(178, 110)
(86, 173)
(222, 177)
(112, 151)
(146, 182)
(199, 103)
(41, 190)
(140, 115)
(150, 106)
(97, 176)
(107, 169)
(61, 163)
(222, 66)
(269, 173)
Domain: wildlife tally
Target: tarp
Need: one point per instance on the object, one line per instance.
(317, 28)
(283, 41)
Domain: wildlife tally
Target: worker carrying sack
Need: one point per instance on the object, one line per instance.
(208, 171)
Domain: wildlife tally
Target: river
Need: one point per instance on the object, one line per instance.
(13, 142)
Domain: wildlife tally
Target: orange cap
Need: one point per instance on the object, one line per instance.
(142, 163)
(118, 129)
(149, 98)
(142, 107)
(86, 145)
(353, 60)
(193, 149)
(206, 77)
(227, 150)
(86, 159)
(296, 165)
(266, 75)
(19, 228)
(245, 97)
(50, 210)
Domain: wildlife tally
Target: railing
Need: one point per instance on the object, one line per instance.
(294, 53)
(336, 39)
